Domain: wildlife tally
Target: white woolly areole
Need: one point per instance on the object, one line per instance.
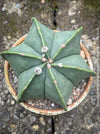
(43, 55)
(60, 65)
(44, 49)
(37, 70)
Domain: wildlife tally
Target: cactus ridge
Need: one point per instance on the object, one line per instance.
(61, 48)
(28, 81)
(21, 54)
(39, 30)
(48, 64)
(57, 88)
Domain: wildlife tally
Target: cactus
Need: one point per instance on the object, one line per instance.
(48, 64)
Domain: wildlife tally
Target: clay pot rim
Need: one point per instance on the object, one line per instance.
(45, 111)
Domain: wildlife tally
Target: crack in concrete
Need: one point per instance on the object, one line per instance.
(55, 8)
(53, 125)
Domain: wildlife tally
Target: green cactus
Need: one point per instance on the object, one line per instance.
(48, 64)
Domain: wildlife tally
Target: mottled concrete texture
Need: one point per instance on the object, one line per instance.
(15, 16)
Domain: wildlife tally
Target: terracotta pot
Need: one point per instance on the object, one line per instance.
(43, 111)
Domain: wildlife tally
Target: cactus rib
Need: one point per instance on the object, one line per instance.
(27, 84)
(40, 33)
(61, 97)
(61, 48)
(39, 30)
(21, 54)
(76, 68)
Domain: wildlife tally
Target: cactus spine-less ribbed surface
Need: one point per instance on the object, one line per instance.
(48, 64)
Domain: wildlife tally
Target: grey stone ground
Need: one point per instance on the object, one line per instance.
(15, 18)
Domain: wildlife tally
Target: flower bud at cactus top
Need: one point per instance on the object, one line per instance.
(48, 64)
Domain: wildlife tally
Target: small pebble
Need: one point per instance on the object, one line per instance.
(84, 83)
(70, 13)
(52, 104)
(0, 86)
(18, 5)
(2, 103)
(32, 119)
(9, 37)
(12, 126)
(21, 115)
(74, 93)
(92, 93)
(49, 129)
(8, 101)
(43, 1)
(94, 101)
(6, 91)
(15, 79)
(72, 115)
(35, 127)
(69, 101)
(49, 121)
(19, 12)
(4, 126)
(12, 102)
(72, 21)
(29, 102)
(3, 9)
(15, 117)
(78, 11)
(43, 15)
(5, 22)
(42, 121)
(14, 132)
(82, 54)
(78, 89)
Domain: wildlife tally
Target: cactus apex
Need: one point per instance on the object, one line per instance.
(48, 66)
(50, 60)
(44, 59)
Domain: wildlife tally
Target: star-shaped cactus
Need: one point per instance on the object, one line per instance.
(48, 64)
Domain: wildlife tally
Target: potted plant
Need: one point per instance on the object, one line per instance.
(48, 65)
